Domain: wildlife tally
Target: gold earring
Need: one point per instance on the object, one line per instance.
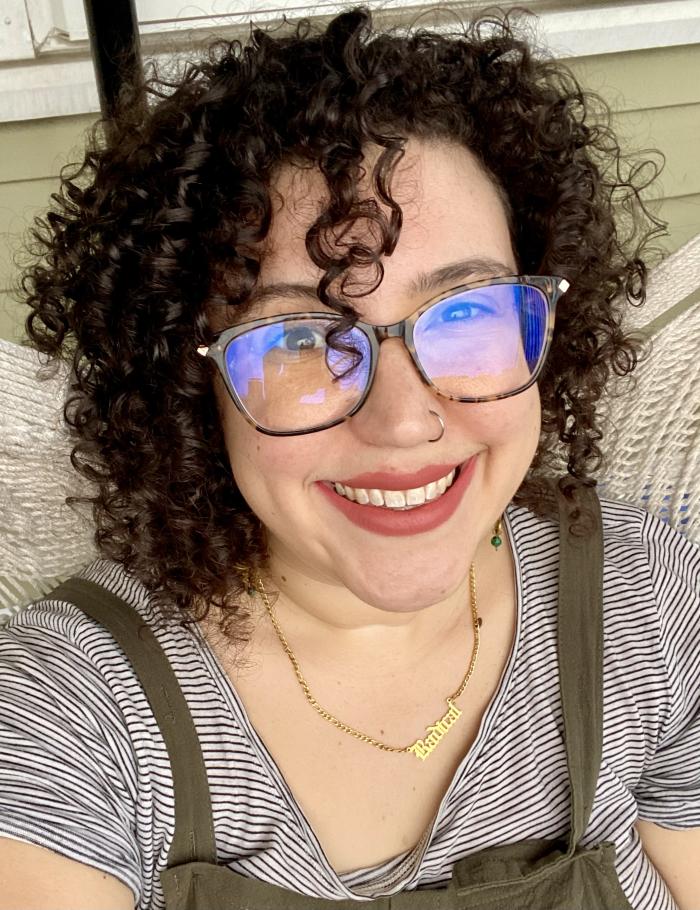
(497, 540)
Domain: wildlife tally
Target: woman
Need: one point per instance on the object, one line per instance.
(492, 706)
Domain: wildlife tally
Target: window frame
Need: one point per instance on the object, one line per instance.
(46, 67)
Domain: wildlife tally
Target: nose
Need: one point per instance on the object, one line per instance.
(396, 412)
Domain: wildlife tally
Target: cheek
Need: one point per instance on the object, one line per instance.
(265, 468)
(513, 422)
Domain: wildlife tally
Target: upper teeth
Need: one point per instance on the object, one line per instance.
(397, 499)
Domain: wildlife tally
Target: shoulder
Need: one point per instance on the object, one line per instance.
(641, 551)
(652, 561)
(56, 661)
(76, 662)
(652, 608)
(59, 634)
(623, 522)
(651, 583)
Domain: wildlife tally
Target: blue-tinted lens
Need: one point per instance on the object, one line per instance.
(485, 341)
(288, 378)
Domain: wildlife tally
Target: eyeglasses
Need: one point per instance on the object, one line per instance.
(297, 373)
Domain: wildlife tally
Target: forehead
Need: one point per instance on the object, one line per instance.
(452, 211)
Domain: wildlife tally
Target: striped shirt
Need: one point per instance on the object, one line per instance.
(84, 770)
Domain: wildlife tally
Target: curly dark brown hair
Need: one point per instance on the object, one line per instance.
(155, 233)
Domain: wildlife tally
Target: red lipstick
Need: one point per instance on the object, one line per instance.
(403, 522)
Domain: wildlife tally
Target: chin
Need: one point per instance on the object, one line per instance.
(404, 595)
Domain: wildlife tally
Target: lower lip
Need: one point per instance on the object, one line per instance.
(400, 523)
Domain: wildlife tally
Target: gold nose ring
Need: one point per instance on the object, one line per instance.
(442, 427)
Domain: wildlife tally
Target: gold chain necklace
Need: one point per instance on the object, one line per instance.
(421, 748)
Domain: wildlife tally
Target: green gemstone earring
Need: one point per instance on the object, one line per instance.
(497, 540)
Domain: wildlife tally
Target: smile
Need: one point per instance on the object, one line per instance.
(397, 499)
(393, 512)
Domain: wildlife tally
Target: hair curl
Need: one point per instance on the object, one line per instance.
(156, 231)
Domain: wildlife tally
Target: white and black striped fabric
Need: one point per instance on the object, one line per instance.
(84, 771)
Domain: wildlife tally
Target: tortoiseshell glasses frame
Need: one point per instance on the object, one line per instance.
(551, 287)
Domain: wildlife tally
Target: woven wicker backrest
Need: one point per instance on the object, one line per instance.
(653, 441)
(42, 540)
(653, 430)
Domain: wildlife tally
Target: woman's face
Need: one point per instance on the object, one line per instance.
(452, 212)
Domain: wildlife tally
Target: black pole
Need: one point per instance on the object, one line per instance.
(114, 41)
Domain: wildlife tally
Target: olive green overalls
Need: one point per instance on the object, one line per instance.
(533, 874)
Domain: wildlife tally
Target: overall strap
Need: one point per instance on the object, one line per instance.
(194, 826)
(580, 648)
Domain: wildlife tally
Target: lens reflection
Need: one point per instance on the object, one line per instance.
(288, 378)
(483, 342)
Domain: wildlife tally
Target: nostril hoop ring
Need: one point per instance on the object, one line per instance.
(442, 427)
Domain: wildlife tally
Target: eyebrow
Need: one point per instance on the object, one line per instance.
(423, 283)
(426, 282)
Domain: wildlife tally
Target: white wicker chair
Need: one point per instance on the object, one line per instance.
(653, 434)
(42, 540)
(653, 446)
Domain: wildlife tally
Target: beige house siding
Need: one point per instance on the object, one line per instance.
(655, 95)
(31, 156)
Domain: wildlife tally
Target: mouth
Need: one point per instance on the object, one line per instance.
(397, 500)
(395, 516)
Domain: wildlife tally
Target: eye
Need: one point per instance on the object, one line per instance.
(459, 310)
(301, 338)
